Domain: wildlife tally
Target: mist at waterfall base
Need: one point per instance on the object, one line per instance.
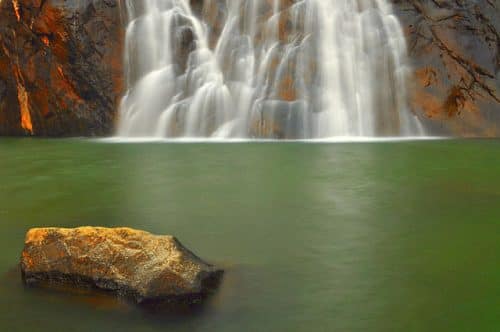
(309, 69)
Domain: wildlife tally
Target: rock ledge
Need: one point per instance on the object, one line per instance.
(131, 263)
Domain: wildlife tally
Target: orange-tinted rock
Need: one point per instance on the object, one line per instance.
(61, 63)
(60, 67)
(455, 50)
(132, 263)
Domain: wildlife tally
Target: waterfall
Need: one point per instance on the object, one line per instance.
(265, 69)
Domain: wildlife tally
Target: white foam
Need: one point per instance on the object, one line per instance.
(330, 140)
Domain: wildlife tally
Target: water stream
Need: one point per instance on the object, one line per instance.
(265, 69)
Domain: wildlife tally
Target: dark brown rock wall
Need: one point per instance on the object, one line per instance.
(61, 64)
(60, 67)
(454, 47)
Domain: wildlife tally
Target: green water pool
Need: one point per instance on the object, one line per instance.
(383, 236)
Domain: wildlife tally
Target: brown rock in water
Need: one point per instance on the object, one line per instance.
(132, 263)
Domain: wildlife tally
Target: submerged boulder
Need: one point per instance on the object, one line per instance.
(132, 263)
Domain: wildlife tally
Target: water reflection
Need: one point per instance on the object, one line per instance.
(383, 236)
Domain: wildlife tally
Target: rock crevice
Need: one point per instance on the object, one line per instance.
(454, 47)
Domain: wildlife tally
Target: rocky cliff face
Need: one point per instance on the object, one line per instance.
(60, 66)
(454, 47)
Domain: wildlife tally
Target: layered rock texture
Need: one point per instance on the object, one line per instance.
(61, 63)
(454, 47)
(132, 263)
(60, 67)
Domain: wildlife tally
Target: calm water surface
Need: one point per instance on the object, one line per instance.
(401, 236)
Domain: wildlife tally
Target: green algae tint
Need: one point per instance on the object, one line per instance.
(394, 236)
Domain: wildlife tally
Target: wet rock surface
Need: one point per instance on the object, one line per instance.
(135, 264)
(61, 64)
(454, 48)
(60, 67)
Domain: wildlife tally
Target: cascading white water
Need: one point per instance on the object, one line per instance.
(265, 68)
